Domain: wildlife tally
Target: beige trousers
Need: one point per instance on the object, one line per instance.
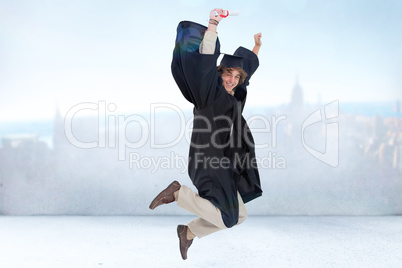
(210, 218)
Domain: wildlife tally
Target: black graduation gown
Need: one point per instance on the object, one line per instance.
(220, 164)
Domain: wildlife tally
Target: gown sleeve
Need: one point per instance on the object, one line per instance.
(195, 73)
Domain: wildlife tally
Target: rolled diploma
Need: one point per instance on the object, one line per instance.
(228, 13)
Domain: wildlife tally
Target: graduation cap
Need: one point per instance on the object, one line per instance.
(250, 60)
(230, 61)
(250, 64)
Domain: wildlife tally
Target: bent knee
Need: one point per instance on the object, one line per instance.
(242, 217)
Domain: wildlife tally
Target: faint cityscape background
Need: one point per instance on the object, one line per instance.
(41, 172)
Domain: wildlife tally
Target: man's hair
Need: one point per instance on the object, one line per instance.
(221, 69)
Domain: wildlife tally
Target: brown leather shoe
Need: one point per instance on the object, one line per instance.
(166, 196)
(184, 243)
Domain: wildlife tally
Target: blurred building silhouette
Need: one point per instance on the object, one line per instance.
(383, 145)
(297, 99)
(24, 155)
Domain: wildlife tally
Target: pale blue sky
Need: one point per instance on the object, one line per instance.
(61, 53)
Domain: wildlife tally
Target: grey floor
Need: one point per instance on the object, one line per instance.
(149, 241)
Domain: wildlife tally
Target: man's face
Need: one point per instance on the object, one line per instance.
(230, 80)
